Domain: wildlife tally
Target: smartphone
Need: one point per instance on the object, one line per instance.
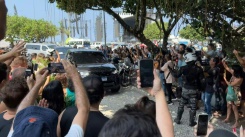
(56, 68)
(28, 73)
(202, 125)
(146, 72)
(35, 67)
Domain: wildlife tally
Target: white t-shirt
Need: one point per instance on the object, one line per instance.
(75, 131)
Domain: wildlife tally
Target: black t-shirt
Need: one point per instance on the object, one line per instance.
(96, 121)
(5, 125)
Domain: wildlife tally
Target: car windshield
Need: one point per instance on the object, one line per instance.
(52, 46)
(62, 52)
(89, 57)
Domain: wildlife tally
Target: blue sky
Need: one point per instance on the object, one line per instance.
(41, 9)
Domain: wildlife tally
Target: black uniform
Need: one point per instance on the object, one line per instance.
(192, 76)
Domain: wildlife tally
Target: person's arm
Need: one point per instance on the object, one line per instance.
(225, 66)
(240, 60)
(176, 74)
(14, 52)
(30, 98)
(165, 66)
(81, 96)
(58, 56)
(163, 117)
(233, 83)
(33, 93)
(9, 61)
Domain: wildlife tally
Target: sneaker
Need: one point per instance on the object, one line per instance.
(174, 98)
(170, 103)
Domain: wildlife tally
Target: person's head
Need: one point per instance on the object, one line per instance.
(237, 71)
(40, 56)
(33, 56)
(35, 121)
(214, 61)
(211, 46)
(190, 57)
(3, 16)
(147, 106)
(53, 93)
(62, 78)
(130, 122)
(19, 72)
(3, 74)
(13, 92)
(167, 57)
(182, 47)
(95, 89)
(146, 50)
(19, 61)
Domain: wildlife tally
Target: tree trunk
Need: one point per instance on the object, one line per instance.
(165, 42)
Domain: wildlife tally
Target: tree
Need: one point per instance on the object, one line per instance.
(191, 33)
(152, 32)
(218, 19)
(29, 29)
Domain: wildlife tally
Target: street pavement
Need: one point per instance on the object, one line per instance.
(129, 95)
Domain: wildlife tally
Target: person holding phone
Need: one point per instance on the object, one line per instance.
(192, 76)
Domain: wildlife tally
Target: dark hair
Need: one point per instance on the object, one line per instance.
(183, 45)
(211, 45)
(3, 71)
(216, 60)
(147, 106)
(168, 56)
(14, 91)
(130, 122)
(238, 72)
(53, 93)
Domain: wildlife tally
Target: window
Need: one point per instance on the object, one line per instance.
(33, 47)
(89, 57)
(44, 48)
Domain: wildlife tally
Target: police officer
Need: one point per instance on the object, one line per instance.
(192, 76)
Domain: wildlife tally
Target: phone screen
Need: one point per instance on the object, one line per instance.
(202, 125)
(35, 67)
(56, 68)
(28, 73)
(146, 73)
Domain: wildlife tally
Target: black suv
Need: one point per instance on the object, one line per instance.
(90, 61)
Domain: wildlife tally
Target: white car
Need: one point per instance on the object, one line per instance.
(38, 48)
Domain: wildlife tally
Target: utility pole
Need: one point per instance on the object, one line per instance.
(104, 27)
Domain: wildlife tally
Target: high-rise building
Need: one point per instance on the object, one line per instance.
(98, 28)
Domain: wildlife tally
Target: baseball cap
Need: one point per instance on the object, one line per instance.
(35, 121)
(93, 85)
(221, 133)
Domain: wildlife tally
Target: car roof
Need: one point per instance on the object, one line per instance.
(63, 47)
(84, 50)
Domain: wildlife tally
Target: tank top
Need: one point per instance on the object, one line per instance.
(5, 125)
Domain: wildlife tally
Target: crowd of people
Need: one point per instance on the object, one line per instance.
(64, 104)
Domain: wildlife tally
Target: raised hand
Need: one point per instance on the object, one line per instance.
(18, 48)
(41, 76)
(43, 103)
(156, 83)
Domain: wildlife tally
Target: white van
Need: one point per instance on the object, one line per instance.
(80, 43)
(96, 44)
(38, 48)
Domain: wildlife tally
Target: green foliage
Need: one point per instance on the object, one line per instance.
(191, 33)
(152, 31)
(28, 29)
